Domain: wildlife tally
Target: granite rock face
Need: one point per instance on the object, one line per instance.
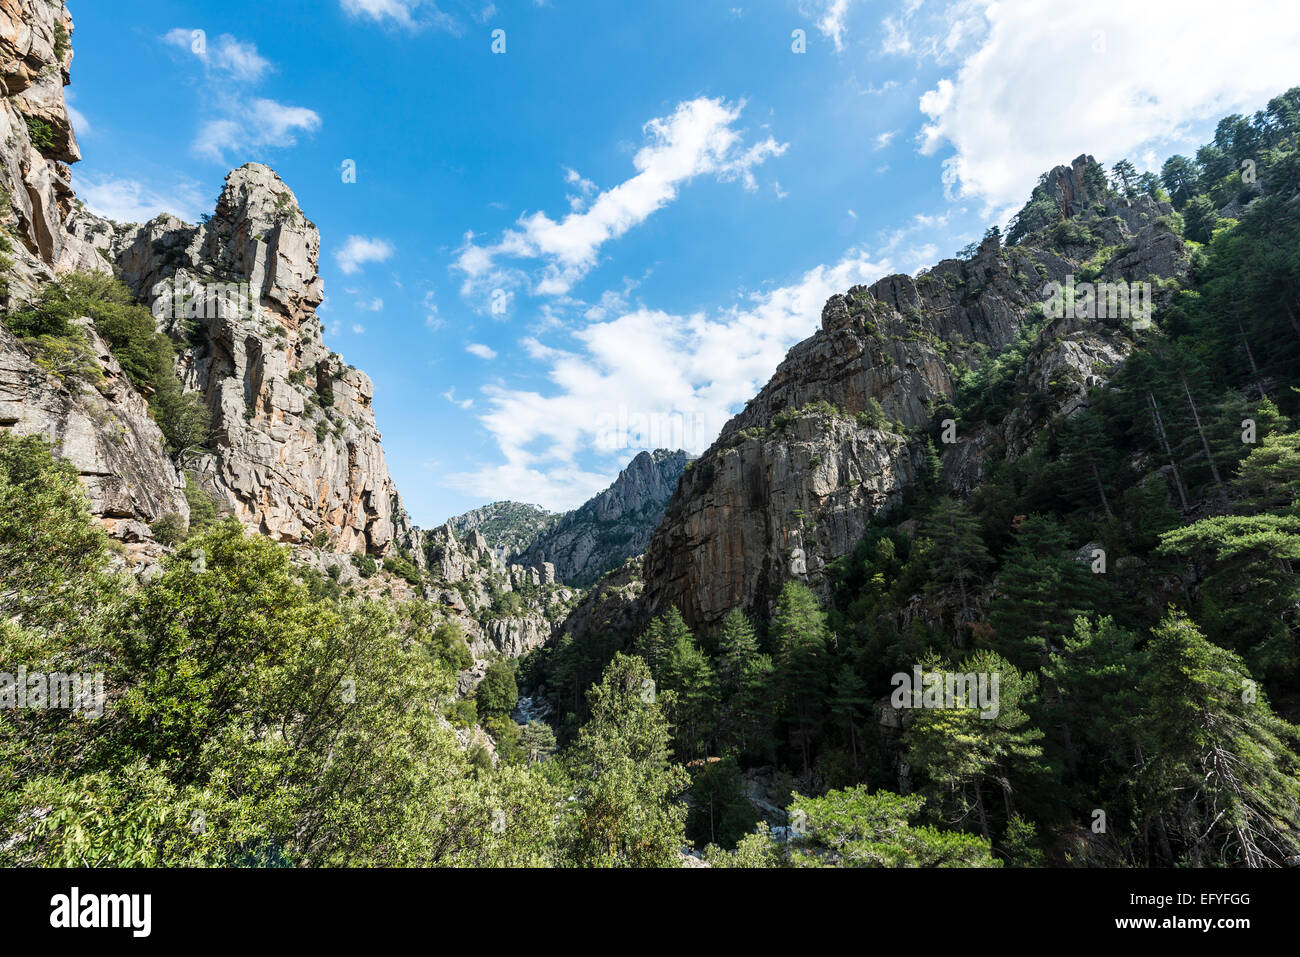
(509, 527)
(35, 183)
(103, 429)
(98, 422)
(838, 433)
(295, 453)
(614, 525)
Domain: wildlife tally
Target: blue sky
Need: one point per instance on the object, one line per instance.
(607, 235)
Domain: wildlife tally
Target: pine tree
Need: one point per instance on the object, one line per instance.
(959, 560)
(688, 676)
(659, 639)
(1041, 589)
(744, 677)
(626, 812)
(1125, 177)
(964, 754)
(1090, 678)
(801, 636)
(849, 699)
(1221, 774)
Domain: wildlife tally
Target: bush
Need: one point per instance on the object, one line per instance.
(170, 530)
(447, 645)
(364, 564)
(146, 356)
(498, 693)
(203, 509)
(402, 568)
(464, 714)
(42, 134)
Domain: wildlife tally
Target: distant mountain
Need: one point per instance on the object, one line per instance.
(615, 525)
(509, 527)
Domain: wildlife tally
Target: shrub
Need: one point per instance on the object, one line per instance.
(128, 329)
(42, 134)
(169, 530)
(498, 693)
(203, 509)
(464, 714)
(402, 568)
(447, 645)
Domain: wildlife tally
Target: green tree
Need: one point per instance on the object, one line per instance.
(858, 828)
(1221, 775)
(963, 752)
(744, 678)
(498, 693)
(958, 559)
(625, 812)
(537, 741)
(802, 662)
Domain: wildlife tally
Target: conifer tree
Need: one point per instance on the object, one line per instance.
(802, 636)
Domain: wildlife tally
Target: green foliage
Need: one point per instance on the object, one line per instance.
(802, 663)
(41, 133)
(403, 568)
(203, 509)
(1221, 772)
(965, 753)
(447, 645)
(625, 812)
(51, 553)
(253, 723)
(537, 741)
(498, 693)
(857, 828)
(170, 530)
(128, 329)
(365, 565)
(720, 811)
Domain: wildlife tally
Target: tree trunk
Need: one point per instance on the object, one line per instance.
(1164, 440)
(1205, 442)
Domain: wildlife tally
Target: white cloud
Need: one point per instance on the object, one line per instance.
(235, 123)
(80, 125)
(254, 124)
(831, 16)
(234, 58)
(480, 350)
(359, 250)
(130, 201)
(450, 396)
(1137, 77)
(698, 139)
(373, 305)
(403, 13)
(684, 373)
(884, 139)
(358, 328)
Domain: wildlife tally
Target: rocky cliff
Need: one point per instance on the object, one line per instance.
(614, 525)
(509, 527)
(100, 423)
(838, 434)
(293, 450)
